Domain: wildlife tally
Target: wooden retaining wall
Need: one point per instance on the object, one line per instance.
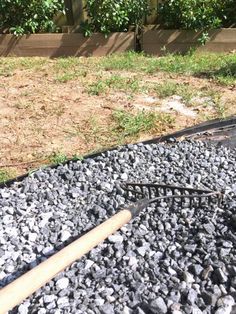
(57, 45)
(159, 41)
(154, 42)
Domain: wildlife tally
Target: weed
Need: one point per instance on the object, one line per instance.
(124, 61)
(69, 76)
(122, 83)
(116, 82)
(58, 158)
(219, 107)
(225, 80)
(4, 175)
(77, 157)
(166, 89)
(30, 63)
(171, 88)
(67, 63)
(211, 65)
(33, 170)
(131, 124)
(97, 88)
(7, 67)
(66, 77)
(221, 110)
(216, 101)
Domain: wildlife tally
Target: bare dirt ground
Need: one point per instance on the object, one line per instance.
(45, 114)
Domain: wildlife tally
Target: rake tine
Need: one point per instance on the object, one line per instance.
(149, 192)
(200, 201)
(156, 192)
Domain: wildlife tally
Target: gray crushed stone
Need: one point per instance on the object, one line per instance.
(167, 260)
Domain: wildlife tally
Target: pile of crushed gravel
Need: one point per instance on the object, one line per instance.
(165, 261)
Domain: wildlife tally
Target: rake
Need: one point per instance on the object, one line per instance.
(143, 194)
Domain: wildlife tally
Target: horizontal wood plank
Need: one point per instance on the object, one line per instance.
(154, 41)
(55, 45)
(75, 44)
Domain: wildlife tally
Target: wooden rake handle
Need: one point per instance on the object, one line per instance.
(15, 292)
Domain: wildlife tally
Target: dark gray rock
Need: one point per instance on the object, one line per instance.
(158, 306)
(209, 298)
(220, 276)
(183, 259)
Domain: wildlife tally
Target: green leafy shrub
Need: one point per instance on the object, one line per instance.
(197, 14)
(26, 16)
(114, 15)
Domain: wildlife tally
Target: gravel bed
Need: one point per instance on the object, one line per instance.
(167, 260)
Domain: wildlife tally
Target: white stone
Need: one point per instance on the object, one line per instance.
(48, 298)
(63, 283)
(188, 278)
(227, 301)
(10, 268)
(23, 308)
(2, 274)
(47, 250)
(127, 310)
(133, 261)
(99, 302)
(142, 250)
(115, 238)
(32, 237)
(88, 264)
(63, 301)
(224, 310)
(7, 219)
(65, 235)
(5, 194)
(124, 176)
(110, 298)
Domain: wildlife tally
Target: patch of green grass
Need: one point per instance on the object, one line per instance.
(122, 83)
(4, 175)
(97, 88)
(68, 63)
(10, 64)
(217, 103)
(68, 69)
(78, 157)
(226, 74)
(132, 124)
(220, 107)
(30, 62)
(170, 88)
(220, 67)
(116, 82)
(58, 158)
(166, 89)
(225, 80)
(124, 61)
(63, 78)
(7, 66)
(221, 110)
(207, 64)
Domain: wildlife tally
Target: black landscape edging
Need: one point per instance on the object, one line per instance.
(199, 128)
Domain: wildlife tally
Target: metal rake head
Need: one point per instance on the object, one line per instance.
(152, 193)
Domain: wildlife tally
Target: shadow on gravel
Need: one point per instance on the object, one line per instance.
(27, 267)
